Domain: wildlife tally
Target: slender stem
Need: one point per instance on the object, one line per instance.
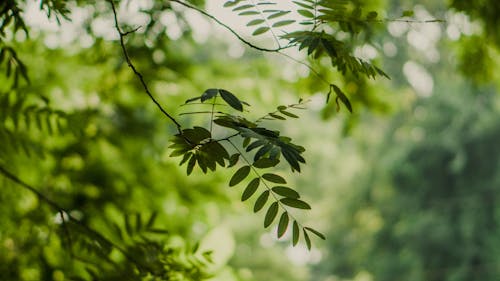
(134, 69)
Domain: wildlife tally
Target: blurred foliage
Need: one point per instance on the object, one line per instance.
(112, 205)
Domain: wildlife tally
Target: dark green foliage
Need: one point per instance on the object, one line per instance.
(267, 146)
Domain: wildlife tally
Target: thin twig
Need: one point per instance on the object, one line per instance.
(134, 69)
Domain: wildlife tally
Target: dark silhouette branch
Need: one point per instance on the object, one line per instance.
(122, 35)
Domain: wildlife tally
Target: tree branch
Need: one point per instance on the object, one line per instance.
(134, 69)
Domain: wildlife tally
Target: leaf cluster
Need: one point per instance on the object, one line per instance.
(263, 14)
(197, 146)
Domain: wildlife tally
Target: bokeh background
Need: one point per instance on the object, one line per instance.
(404, 188)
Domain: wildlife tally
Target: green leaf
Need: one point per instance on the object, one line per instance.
(231, 3)
(231, 99)
(192, 99)
(208, 94)
(255, 144)
(276, 116)
(248, 13)
(185, 158)
(278, 14)
(261, 201)
(240, 175)
(289, 114)
(303, 5)
(260, 30)
(275, 153)
(246, 141)
(283, 23)
(342, 97)
(250, 189)
(330, 49)
(306, 13)
(295, 233)
(292, 157)
(295, 203)
(274, 178)
(271, 214)
(243, 7)
(191, 164)
(317, 233)
(233, 159)
(286, 192)
(263, 163)
(201, 162)
(283, 224)
(308, 240)
(255, 22)
(262, 151)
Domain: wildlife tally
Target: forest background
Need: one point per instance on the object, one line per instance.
(403, 188)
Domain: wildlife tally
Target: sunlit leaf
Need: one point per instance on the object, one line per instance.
(255, 22)
(248, 13)
(260, 30)
(283, 23)
(278, 14)
(306, 13)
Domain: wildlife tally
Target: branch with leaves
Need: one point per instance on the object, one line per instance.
(207, 152)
